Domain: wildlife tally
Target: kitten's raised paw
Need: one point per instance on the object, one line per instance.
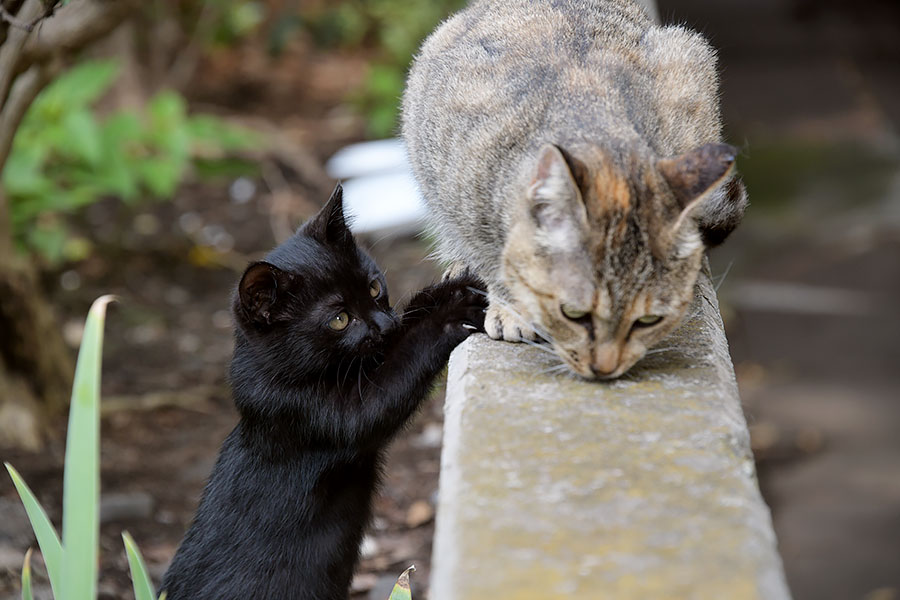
(503, 324)
(458, 301)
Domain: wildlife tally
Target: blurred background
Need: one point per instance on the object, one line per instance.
(172, 142)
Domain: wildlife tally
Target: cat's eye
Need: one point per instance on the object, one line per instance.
(340, 321)
(648, 321)
(572, 312)
(375, 288)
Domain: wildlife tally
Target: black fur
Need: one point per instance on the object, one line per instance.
(287, 502)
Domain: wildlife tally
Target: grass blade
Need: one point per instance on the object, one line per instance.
(46, 535)
(402, 590)
(26, 577)
(81, 480)
(140, 579)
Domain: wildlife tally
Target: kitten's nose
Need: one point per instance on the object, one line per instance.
(606, 359)
(383, 322)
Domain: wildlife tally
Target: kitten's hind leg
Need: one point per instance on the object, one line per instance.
(504, 322)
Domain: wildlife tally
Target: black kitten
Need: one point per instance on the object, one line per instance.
(324, 375)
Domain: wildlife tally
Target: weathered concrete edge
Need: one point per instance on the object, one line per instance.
(704, 343)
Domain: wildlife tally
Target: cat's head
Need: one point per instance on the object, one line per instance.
(314, 301)
(607, 252)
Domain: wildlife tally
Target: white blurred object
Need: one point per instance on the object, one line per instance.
(380, 193)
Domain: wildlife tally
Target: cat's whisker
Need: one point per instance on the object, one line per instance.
(658, 350)
(541, 347)
(560, 368)
(722, 277)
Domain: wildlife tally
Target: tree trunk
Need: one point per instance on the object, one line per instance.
(35, 365)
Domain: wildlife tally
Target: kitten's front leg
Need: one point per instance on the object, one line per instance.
(504, 321)
(434, 322)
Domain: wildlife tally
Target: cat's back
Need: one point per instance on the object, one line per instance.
(502, 77)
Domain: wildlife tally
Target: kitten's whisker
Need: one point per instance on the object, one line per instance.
(366, 375)
(347, 372)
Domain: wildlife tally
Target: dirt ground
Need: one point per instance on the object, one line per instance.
(821, 387)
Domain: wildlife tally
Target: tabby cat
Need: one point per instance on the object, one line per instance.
(570, 153)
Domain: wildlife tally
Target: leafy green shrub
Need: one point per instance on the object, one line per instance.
(72, 562)
(65, 157)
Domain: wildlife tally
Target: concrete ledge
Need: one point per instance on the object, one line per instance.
(641, 488)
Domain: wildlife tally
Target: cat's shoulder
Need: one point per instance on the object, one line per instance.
(675, 47)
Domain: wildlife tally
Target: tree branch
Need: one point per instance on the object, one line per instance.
(23, 93)
(73, 26)
(11, 51)
(26, 88)
(13, 20)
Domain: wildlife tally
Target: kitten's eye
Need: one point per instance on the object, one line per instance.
(375, 288)
(573, 313)
(648, 320)
(340, 321)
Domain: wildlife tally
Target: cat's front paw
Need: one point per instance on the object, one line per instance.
(502, 323)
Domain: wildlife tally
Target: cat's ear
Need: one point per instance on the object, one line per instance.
(708, 207)
(259, 291)
(329, 226)
(555, 204)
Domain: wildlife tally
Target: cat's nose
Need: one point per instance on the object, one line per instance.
(606, 359)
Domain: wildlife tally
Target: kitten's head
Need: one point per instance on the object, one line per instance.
(314, 301)
(607, 254)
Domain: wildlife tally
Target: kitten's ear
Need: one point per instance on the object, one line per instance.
(555, 203)
(329, 226)
(696, 180)
(259, 291)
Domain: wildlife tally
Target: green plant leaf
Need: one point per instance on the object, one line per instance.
(80, 86)
(26, 577)
(46, 535)
(48, 239)
(211, 131)
(81, 479)
(23, 176)
(161, 175)
(167, 109)
(143, 588)
(402, 590)
(83, 139)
